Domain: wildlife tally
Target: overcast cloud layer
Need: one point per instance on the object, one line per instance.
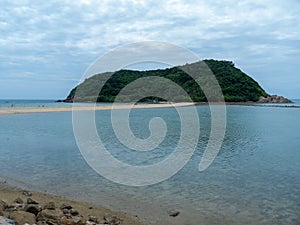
(45, 46)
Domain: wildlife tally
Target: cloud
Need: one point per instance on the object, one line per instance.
(65, 36)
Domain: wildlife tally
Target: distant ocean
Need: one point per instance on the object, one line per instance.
(255, 179)
(30, 103)
(49, 103)
(35, 103)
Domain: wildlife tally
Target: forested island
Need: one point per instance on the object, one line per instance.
(235, 84)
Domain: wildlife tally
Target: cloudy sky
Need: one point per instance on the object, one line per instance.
(46, 46)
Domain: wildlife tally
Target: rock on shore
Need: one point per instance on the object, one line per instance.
(41, 209)
(6, 221)
(20, 213)
(274, 99)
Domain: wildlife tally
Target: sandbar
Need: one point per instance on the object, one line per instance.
(46, 109)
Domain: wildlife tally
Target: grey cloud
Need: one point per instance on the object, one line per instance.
(69, 35)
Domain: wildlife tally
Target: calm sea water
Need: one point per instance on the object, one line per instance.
(255, 179)
(49, 103)
(30, 103)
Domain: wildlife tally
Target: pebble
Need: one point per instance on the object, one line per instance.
(65, 211)
(34, 209)
(112, 220)
(93, 219)
(31, 201)
(74, 212)
(50, 206)
(27, 193)
(3, 205)
(21, 217)
(19, 201)
(65, 206)
(174, 213)
(6, 221)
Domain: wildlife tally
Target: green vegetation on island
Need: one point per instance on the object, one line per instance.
(235, 84)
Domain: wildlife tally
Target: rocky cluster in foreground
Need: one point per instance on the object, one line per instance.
(28, 211)
(274, 99)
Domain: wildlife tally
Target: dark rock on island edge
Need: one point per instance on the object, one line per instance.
(274, 99)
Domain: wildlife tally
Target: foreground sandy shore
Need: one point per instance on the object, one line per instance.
(152, 215)
(25, 110)
(85, 211)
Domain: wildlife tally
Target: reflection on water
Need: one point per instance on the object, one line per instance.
(255, 178)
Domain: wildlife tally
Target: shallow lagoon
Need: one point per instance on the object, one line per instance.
(254, 180)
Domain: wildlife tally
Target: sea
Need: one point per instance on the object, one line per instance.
(255, 178)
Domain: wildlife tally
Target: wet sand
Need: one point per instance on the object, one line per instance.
(25, 110)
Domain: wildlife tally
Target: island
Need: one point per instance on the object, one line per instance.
(236, 86)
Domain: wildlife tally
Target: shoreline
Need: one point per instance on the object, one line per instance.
(134, 212)
(48, 109)
(9, 194)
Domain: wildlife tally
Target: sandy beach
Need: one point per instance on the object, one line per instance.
(16, 201)
(25, 110)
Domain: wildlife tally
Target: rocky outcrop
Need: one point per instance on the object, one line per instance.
(274, 99)
(22, 212)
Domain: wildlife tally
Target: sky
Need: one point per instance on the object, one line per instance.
(46, 46)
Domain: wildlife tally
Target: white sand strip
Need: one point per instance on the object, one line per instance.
(25, 110)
